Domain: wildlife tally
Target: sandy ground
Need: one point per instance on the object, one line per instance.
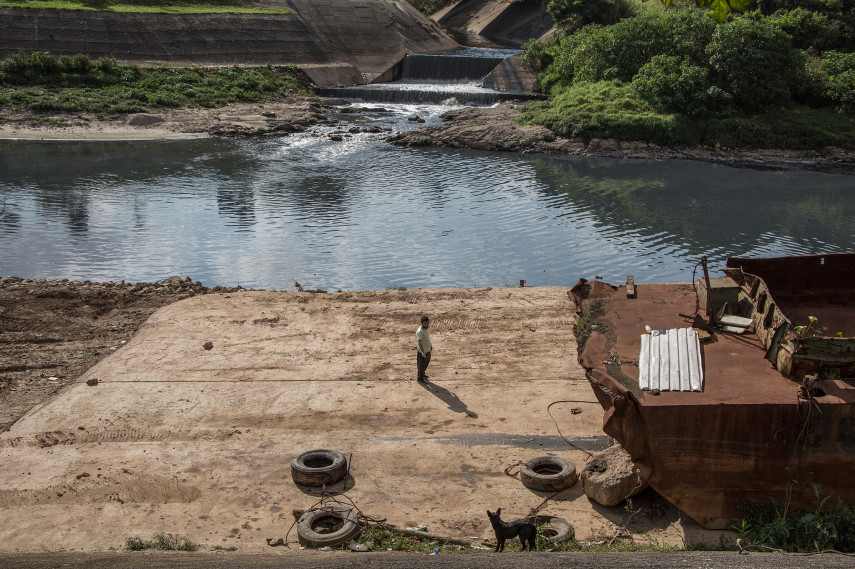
(177, 438)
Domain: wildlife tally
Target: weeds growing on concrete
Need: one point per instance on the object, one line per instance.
(148, 6)
(161, 542)
(42, 82)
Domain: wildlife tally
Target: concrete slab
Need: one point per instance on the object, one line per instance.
(178, 438)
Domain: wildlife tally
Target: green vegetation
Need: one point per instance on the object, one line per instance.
(783, 78)
(429, 7)
(819, 529)
(148, 6)
(41, 82)
(379, 539)
(161, 542)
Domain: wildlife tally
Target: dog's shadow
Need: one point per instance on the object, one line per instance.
(453, 401)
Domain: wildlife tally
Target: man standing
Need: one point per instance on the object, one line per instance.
(423, 354)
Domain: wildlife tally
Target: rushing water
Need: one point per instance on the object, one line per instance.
(362, 214)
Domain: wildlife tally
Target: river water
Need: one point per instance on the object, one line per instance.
(361, 214)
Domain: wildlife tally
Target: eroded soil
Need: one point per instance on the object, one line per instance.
(53, 331)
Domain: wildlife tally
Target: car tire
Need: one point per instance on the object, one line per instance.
(318, 467)
(548, 473)
(328, 526)
(562, 528)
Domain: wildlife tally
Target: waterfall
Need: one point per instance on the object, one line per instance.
(456, 77)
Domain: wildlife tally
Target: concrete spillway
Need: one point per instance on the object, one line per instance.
(460, 76)
(459, 65)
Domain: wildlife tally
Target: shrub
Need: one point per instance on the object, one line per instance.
(840, 68)
(809, 30)
(578, 13)
(617, 52)
(539, 54)
(608, 110)
(675, 85)
(754, 62)
(161, 542)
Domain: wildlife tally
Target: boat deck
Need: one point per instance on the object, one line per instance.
(749, 435)
(735, 370)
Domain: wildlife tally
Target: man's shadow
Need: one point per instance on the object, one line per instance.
(453, 401)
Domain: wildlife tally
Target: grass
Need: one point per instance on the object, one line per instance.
(147, 6)
(822, 528)
(612, 110)
(379, 539)
(42, 83)
(161, 542)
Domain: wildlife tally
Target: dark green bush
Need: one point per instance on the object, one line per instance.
(840, 68)
(754, 62)
(809, 30)
(617, 52)
(675, 85)
(578, 13)
(539, 54)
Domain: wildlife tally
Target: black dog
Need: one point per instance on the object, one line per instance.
(504, 530)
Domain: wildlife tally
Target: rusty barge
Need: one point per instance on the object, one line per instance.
(775, 412)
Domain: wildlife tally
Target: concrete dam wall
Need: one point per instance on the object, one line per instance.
(337, 42)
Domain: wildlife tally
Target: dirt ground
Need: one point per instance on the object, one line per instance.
(178, 438)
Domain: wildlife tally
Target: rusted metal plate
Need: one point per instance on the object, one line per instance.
(670, 360)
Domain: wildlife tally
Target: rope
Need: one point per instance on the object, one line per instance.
(559, 428)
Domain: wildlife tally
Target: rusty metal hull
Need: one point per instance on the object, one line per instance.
(781, 295)
(747, 436)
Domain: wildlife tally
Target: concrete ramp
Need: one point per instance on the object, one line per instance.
(487, 23)
(329, 36)
(179, 438)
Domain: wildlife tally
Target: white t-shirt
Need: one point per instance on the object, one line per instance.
(423, 334)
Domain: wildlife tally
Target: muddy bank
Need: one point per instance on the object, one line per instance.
(278, 118)
(496, 129)
(53, 331)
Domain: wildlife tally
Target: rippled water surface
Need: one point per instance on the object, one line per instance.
(361, 214)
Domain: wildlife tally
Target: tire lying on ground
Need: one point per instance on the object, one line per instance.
(548, 473)
(318, 467)
(328, 526)
(562, 530)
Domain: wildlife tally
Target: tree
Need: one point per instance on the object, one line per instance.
(720, 8)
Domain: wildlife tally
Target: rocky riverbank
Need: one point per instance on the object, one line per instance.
(480, 128)
(495, 129)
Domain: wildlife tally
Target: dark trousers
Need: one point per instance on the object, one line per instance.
(422, 363)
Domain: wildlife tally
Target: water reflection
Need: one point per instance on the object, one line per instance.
(709, 208)
(360, 214)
